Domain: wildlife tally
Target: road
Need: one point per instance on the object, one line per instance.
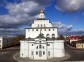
(6, 55)
(75, 54)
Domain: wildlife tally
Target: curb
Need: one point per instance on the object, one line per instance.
(17, 58)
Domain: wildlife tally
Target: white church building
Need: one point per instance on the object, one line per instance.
(40, 41)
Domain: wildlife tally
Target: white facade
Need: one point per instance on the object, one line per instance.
(39, 43)
(1, 42)
(41, 25)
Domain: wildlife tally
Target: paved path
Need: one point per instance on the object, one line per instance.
(6, 55)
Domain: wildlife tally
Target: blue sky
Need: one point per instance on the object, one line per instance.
(14, 17)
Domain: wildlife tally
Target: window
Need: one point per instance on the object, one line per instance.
(47, 35)
(36, 29)
(22, 54)
(32, 53)
(53, 35)
(36, 52)
(49, 29)
(48, 44)
(48, 53)
(32, 44)
(43, 47)
(39, 46)
(43, 52)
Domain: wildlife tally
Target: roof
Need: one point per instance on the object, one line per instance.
(40, 27)
(41, 19)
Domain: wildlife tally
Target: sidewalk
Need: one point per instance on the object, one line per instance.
(17, 57)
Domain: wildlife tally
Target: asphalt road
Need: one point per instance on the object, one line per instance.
(6, 55)
(75, 54)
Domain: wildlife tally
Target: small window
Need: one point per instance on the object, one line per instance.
(47, 35)
(36, 52)
(22, 54)
(43, 47)
(49, 29)
(53, 35)
(36, 29)
(37, 47)
(48, 44)
(32, 44)
(43, 52)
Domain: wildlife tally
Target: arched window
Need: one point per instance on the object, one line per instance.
(53, 35)
(47, 35)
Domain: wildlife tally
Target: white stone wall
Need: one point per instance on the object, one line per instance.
(32, 33)
(49, 49)
(59, 50)
(1, 42)
(24, 49)
(41, 23)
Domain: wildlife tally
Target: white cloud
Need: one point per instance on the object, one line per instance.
(62, 27)
(21, 14)
(70, 5)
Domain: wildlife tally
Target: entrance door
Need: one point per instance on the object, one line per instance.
(40, 53)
